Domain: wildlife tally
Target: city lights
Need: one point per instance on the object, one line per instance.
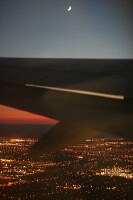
(76, 170)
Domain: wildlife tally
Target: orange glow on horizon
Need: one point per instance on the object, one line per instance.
(10, 115)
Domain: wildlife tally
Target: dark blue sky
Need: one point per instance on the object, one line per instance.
(44, 28)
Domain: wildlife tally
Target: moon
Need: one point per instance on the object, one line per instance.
(69, 8)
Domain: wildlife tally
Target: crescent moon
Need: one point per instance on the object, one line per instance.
(69, 8)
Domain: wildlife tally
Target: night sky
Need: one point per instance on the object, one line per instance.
(45, 28)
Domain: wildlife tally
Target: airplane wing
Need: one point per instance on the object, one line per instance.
(88, 97)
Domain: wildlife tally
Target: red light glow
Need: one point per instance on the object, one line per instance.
(10, 115)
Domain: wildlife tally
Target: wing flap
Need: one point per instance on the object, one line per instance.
(63, 134)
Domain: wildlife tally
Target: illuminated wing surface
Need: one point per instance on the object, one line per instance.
(88, 97)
